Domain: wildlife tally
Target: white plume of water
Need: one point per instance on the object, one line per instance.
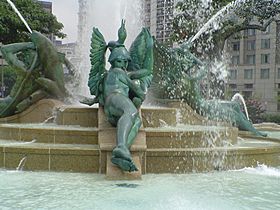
(106, 15)
(212, 21)
(240, 97)
(21, 163)
(262, 169)
(20, 16)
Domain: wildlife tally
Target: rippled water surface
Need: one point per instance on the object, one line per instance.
(249, 188)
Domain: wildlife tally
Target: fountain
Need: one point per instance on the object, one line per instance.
(173, 139)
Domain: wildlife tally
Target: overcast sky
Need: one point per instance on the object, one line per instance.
(66, 12)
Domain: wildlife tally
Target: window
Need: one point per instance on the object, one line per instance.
(250, 32)
(248, 86)
(235, 46)
(264, 73)
(264, 58)
(232, 86)
(267, 30)
(248, 73)
(251, 59)
(251, 45)
(235, 60)
(247, 94)
(278, 102)
(233, 74)
(265, 43)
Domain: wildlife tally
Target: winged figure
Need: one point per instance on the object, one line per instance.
(122, 88)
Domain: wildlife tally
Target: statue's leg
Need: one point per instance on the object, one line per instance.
(244, 124)
(4, 104)
(120, 107)
(134, 131)
(51, 87)
(33, 98)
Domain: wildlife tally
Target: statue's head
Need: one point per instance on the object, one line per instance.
(119, 57)
(39, 39)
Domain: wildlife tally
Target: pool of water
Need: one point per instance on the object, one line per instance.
(249, 188)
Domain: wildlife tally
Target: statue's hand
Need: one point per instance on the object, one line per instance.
(89, 101)
(137, 102)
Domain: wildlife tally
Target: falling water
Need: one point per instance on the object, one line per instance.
(214, 17)
(21, 164)
(240, 97)
(20, 16)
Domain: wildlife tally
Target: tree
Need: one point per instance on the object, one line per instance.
(9, 76)
(191, 15)
(255, 110)
(12, 28)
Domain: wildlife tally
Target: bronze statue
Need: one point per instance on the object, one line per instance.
(121, 89)
(39, 73)
(177, 76)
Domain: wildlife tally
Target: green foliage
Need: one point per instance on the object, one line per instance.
(191, 15)
(271, 118)
(255, 110)
(9, 78)
(12, 28)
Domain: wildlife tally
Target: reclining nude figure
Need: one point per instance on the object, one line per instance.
(121, 89)
(179, 65)
(39, 71)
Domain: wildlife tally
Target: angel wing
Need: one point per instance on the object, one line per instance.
(97, 71)
(141, 53)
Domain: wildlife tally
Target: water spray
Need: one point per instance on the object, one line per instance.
(20, 16)
(124, 12)
(213, 18)
(239, 96)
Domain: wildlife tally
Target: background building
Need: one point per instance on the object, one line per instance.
(255, 56)
(158, 18)
(48, 7)
(255, 67)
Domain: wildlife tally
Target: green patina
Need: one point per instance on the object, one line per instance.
(39, 71)
(121, 89)
(178, 74)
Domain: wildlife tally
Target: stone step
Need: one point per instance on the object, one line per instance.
(77, 115)
(49, 157)
(190, 136)
(87, 116)
(186, 160)
(36, 113)
(49, 133)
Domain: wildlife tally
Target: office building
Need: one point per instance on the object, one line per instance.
(255, 65)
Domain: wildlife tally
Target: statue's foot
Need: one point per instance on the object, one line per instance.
(121, 152)
(125, 165)
(262, 134)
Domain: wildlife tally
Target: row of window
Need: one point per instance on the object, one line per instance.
(251, 45)
(246, 86)
(250, 59)
(248, 74)
(252, 32)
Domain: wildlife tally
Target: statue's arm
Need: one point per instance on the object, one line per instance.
(138, 74)
(69, 65)
(9, 52)
(133, 87)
